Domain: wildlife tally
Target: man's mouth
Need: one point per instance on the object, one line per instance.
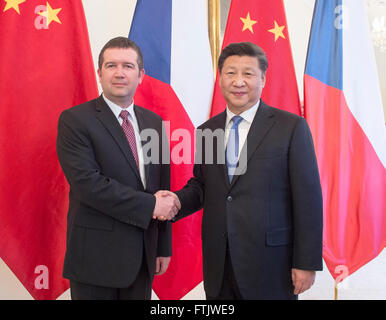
(238, 93)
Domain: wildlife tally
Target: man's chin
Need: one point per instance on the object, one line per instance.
(238, 105)
(120, 95)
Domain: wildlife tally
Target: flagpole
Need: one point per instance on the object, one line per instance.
(214, 31)
(336, 291)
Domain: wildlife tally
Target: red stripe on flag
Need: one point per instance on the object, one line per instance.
(185, 270)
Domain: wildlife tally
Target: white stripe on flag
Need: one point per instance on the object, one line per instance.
(360, 78)
(191, 66)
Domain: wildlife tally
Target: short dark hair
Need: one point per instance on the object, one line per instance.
(123, 43)
(244, 49)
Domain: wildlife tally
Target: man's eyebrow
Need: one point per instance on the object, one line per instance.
(123, 62)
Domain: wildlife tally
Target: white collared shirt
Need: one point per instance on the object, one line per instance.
(244, 126)
(133, 120)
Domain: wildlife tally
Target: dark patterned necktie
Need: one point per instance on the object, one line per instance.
(129, 132)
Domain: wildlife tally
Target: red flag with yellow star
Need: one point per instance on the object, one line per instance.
(264, 24)
(45, 67)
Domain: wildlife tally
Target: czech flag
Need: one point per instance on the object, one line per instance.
(343, 107)
(178, 86)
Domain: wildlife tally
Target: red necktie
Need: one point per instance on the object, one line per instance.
(129, 132)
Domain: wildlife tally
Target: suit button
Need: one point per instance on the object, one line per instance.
(229, 198)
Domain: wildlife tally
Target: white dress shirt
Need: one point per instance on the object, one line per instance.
(133, 120)
(244, 126)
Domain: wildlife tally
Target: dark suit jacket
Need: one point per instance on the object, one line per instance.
(271, 216)
(110, 221)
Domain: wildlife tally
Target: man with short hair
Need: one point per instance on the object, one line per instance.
(114, 247)
(262, 218)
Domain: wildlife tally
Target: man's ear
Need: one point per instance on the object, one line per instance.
(263, 80)
(141, 75)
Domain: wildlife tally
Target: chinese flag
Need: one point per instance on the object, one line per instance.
(264, 24)
(45, 67)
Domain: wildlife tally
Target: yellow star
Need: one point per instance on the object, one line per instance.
(14, 4)
(51, 14)
(248, 23)
(277, 31)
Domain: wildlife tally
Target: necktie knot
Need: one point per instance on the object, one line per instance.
(236, 121)
(124, 115)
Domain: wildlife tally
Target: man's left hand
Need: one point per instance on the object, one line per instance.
(161, 265)
(302, 280)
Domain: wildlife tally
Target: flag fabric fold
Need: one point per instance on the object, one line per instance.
(343, 107)
(178, 86)
(45, 67)
(264, 23)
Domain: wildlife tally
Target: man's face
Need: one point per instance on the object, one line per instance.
(241, 82)
(119, 75)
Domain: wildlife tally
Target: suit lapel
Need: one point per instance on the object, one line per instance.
(107, 118)
(220, 124)
(262, 123)
(144, 123)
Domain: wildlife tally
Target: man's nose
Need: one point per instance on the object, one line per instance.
(239, 81)
(119, 71)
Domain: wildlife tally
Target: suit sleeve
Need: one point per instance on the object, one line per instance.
(306, 199)
(192, 194)
(164, 228)
(90, 185)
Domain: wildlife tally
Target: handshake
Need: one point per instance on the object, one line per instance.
(167, 205)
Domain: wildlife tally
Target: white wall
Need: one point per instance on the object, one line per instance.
(107, 19)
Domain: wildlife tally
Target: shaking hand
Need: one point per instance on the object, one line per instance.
(167, 205)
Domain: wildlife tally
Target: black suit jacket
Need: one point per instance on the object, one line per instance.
(271, 215)
(110, 222)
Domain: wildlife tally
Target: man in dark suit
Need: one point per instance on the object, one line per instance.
(114, 247)
(262, 219)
